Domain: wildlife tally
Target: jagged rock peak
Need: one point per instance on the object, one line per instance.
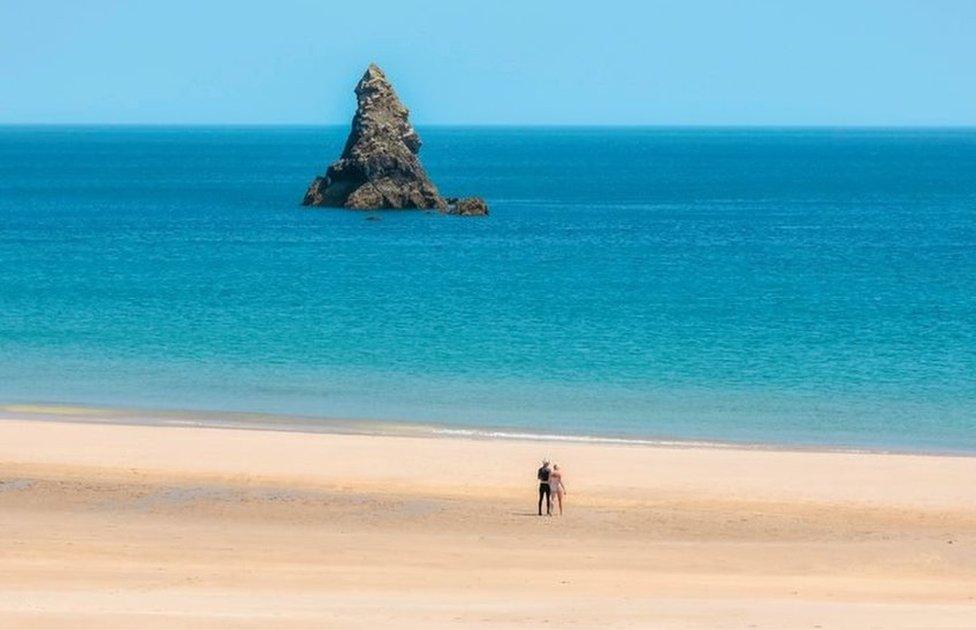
(380, 110)
(379, 167)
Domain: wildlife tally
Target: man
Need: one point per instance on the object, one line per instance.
(543, 476)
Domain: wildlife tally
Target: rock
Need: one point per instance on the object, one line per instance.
(379, 167)
(467, 207)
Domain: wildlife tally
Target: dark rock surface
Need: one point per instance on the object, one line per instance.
(467, 207)
(379, 168)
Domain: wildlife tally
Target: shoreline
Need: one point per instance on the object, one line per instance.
(856, 478)
(261, 421)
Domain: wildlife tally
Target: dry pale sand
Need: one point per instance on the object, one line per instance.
(136, 526)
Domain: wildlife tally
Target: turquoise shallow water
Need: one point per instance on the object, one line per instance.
(779, 286)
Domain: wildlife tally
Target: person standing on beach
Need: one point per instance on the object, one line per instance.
(556, 487)
(544, 491)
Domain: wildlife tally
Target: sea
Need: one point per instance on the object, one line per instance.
(782, 287)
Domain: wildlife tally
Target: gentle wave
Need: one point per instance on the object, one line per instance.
(588, 439)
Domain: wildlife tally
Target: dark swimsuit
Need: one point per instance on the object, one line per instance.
(544, 490)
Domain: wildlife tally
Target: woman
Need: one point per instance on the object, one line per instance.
(556, 486)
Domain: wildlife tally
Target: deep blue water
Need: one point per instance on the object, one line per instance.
(785, 286)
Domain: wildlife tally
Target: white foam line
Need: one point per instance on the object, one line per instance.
(547, 437)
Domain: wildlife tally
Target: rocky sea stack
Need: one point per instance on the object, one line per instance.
(379, 167)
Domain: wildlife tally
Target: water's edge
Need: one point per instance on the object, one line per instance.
(252, 421)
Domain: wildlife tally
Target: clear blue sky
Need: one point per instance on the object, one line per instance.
(787, 62)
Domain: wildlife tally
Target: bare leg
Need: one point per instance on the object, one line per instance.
(559, 500)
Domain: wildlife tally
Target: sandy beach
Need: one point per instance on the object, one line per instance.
(143, 526)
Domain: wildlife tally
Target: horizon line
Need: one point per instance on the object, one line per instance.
(796, 126)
